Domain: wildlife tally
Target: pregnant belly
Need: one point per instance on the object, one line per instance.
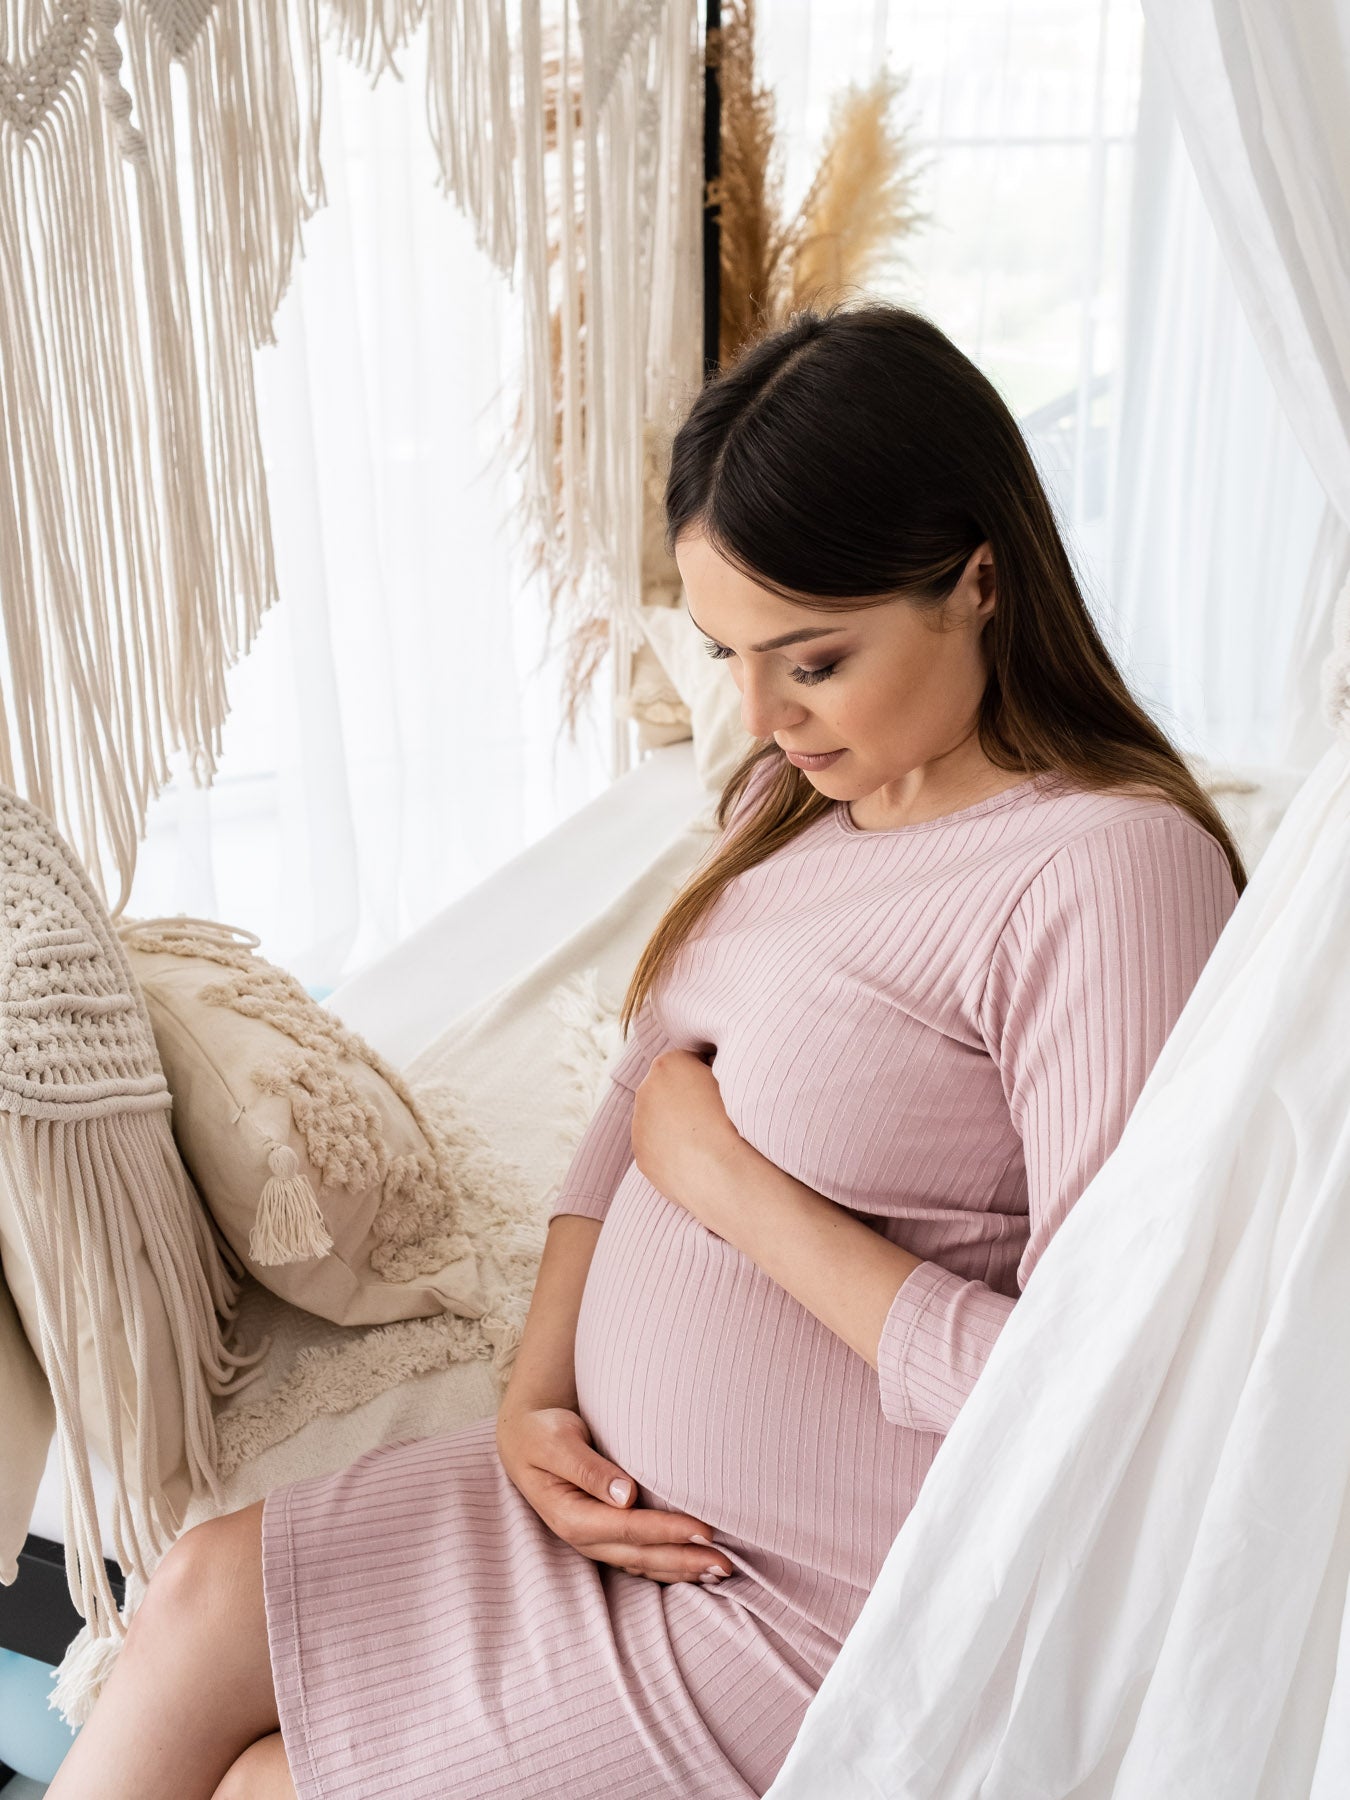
(724, 1397)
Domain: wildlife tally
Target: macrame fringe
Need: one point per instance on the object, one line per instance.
(371, 33)
(135, 545)
(92, 1195)
(473, 128)
(613, 336)
(289, 1226)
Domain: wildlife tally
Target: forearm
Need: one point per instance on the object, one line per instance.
(927, 1332)
(840, 1269)
(544, 1372)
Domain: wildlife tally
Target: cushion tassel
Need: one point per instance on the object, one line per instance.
(504, 1335)
(289, 1226)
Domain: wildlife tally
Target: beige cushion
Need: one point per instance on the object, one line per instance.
(662, 717)
(706, 687)
(308, 1150)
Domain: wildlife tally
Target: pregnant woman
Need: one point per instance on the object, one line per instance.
(880, 1042)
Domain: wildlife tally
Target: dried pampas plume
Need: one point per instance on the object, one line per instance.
(847, 232)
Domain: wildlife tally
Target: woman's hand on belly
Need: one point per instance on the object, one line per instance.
(548, 1454)
(681, 1134)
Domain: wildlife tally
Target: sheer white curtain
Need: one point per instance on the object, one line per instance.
(1126, 1575)
(392, 735)
(1216, 513)
(1261, 95)
(1070, 255)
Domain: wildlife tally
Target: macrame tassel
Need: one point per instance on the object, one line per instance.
(80, 1676)
(90, 1659)
(289, 1226)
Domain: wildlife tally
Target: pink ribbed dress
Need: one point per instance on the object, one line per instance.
(941, 1026)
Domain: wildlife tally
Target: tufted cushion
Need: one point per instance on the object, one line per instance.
(308, 1149)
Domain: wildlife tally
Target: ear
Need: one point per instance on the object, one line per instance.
(982, 562)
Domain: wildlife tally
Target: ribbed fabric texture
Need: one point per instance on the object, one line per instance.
(942, 1027)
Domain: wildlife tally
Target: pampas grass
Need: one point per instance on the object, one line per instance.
(848, 232)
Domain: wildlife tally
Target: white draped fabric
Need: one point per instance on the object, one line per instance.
(1261, 95)
(1215, 513)
(1126, 1574)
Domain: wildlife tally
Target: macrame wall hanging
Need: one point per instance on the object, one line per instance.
(149, 215)
(611, 266)
(157, 162)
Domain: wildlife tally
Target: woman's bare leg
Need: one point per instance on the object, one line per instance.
(192, 1685)
(261, 1773)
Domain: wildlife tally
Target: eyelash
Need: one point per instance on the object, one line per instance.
(808, 677)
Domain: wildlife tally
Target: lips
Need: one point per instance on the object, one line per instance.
(813, 760)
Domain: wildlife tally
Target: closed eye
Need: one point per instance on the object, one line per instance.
(807, 676)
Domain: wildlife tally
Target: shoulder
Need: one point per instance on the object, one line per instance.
(1118, 875)
(1090, 834)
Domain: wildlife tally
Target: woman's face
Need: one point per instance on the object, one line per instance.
(883, 684)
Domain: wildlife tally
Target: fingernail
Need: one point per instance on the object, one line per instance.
(711, 1579)
(618, 1491)
(713, 1570)
(703, 1540)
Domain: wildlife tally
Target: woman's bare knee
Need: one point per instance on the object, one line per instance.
(205, 1600)
(191, 1688)
(261, 1773)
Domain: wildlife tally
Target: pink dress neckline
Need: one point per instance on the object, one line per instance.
(844, 820)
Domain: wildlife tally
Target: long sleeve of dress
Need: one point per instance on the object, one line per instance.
(1088, 977)
(605, 1150)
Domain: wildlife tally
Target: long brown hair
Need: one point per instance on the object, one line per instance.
(857, 453)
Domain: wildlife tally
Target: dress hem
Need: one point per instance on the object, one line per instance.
(283, 1641)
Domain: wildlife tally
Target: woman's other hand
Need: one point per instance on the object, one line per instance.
(683, 1141)
(548, 1454)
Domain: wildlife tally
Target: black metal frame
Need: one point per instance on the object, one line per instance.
(37, 1617)
(712, 198)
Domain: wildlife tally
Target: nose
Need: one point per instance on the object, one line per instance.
(766, 707)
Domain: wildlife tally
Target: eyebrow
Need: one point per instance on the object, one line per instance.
(789, 637)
